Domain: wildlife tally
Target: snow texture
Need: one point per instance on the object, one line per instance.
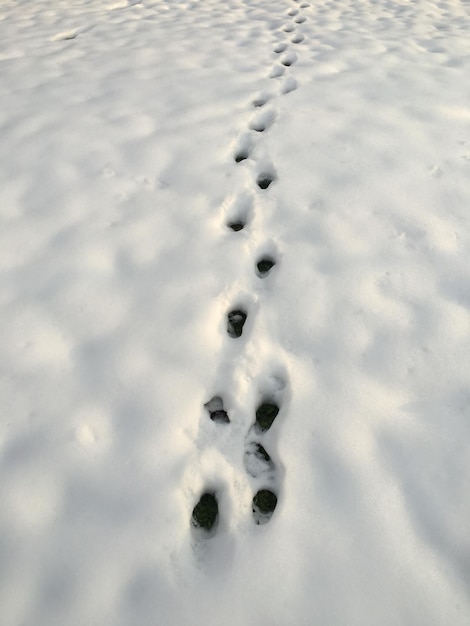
(152, 154)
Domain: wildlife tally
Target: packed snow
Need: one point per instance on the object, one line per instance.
(206, 208)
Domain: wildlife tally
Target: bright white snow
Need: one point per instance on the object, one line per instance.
(120, 123)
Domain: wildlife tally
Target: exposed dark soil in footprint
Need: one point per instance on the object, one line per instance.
(206, 512)
(264, 266)
(236, 226)
(264, 504)
(264, 180)
(235, 321)
(265, 415)
(215, 408)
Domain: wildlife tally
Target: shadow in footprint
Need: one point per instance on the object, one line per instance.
(280, 48)
(289, 28)
(290, 84)
(236, 226)
(235, 322)
(300, 19)
(265, 179)
(266, 413)
(264, 266)
(257, 461)
(206, 514)
(215, 408)
(297, 38)
(264, 504)
(240, 156)
(277, 71)
(262, 121)
(289, 59)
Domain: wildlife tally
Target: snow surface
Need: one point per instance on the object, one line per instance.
(120, 122)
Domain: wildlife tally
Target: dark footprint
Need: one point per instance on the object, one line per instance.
(300, 19)
(264, 503)
(206, 512)
(257, 460)
(236, 226)
(264, 180)
(280, 48)
(215, 407)
(241, 156)
(289, 59)
(264, 266)
(297, 39)
(235, 321)
(265, 416)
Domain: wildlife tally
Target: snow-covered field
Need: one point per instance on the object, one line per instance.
(133, 137)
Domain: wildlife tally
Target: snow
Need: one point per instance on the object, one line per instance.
(120, 126)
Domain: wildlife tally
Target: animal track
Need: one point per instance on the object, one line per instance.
(206, 513)
(264, 266)
(257, 461)
(292, 12)
(266, 413)
(243, 148)
(280, 48)
(260, 100)
(235, 322)
(300, 19)
(290, 84)
(297, 38)
(289, 59)
(289, 28)
(265, 179)
(215, 408)
(262, 121)
(264, 504)
(239, 210)
(277, 71)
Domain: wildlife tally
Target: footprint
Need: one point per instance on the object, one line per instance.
(280, 48)
(265, 179)
(300, 19)
(277, 71)
(264, 504)
(260, 100)
(262, 121)
(289, 59)
(266, 413)
(235, 322)
(289, 28)
(239, 211)
(205, 514)
(215, 408)
(264, 266)
(304, 5)
(297, 38)
(242, 148)
(257, 461)
(292, 12)
(236, 226)
(289, 84)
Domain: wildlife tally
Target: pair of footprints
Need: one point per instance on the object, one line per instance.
(257, 462)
